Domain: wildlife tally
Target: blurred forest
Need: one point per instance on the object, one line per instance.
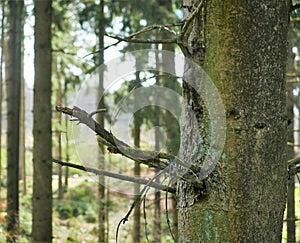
(56, 54)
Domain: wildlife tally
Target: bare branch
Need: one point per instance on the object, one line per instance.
(143, 41)
(138, 180)
(102, 49)
(153, 27)
(189, 19)
(136, 202)
(115, 145)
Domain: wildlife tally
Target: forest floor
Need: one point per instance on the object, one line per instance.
(75, 216)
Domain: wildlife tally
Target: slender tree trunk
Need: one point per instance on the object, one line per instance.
(100, 120)
(291, 218)
(22, 160)
(66, 183)
(58, 132)
(42, 147)
(1, 80)
(13, 115)
(242, 45)
(157, 209)
(137, 168)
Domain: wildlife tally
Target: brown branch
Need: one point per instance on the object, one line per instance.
(150, 158)
(141, 181)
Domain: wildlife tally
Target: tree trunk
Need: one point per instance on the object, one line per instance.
(157, 136)
(137, 122)
(291, 218)
(22, 159)
(42, 154)
(13, 79)
(60, 191)
(66, 183)
(100, 120)
(1, 80)
(242, 45)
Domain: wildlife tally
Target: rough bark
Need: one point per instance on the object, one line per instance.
(242, 45)
(13, 80)
(42, 155)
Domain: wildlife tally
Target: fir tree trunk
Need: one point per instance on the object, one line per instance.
(100, 120)
(1, 80)
(157, 136)
(137, 122)
(13, 79)
(242, 45)
(58, 149)
(42, 147)
(22, 148)
(291, 218)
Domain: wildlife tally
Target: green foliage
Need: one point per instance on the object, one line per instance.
(80, 200)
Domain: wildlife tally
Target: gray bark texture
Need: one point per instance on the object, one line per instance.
(242, 46)
(42, 155)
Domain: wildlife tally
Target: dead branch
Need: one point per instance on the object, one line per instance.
(136, 202)
(114, 145)
(154, 27)
(103, 49)
(189, 19)
(141, 181)
(143, 41)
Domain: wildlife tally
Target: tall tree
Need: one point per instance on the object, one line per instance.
(100, 119)
(136, 131)
(13, 114)
(1, 77)
(291, 219)
(242, 45)
(42, 155)
(22, 148)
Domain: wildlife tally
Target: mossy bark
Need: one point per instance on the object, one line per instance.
(242, 46)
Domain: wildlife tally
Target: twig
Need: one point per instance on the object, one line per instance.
(167, 216)
(145, 215)
(143, 41)
(102, 49)
(185, 28)
(144, 30)
(189, 19)
(138, 180)
(135, 203)
(154, 27)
